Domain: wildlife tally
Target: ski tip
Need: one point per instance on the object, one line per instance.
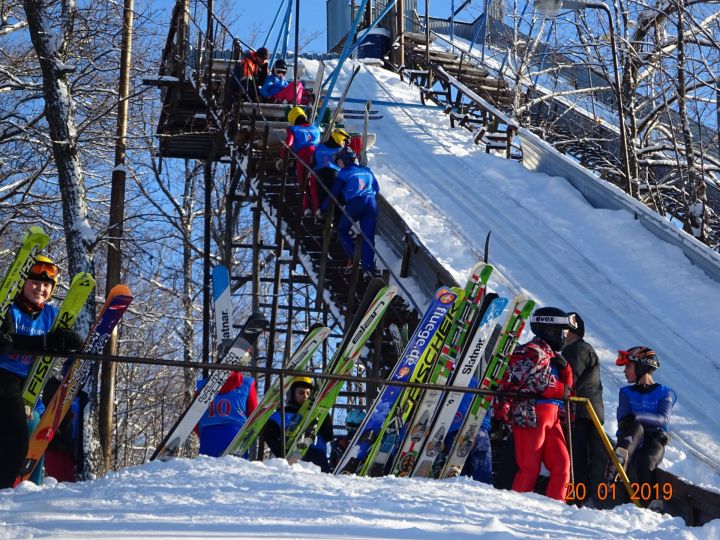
(255, 325)
(119, 290)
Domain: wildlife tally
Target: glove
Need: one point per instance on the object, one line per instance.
(556, 390)
(499, 430)
(6, 342)
(627, 420)
(279, 164)
(63, 340)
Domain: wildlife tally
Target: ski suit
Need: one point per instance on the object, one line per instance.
(358, 186)
(278, 89)
(326, 168)
(63, 457)
(303, 138)
(534, 368)
(316, 454)
(28, 331)
(227, 413)
(643, 415)
(588, 452)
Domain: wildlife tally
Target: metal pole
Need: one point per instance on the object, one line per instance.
(452, 21)
(297, 49)
(401, 35)
(115, 233)
(427, 43)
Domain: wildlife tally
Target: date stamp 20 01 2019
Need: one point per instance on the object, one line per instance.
(640, 491)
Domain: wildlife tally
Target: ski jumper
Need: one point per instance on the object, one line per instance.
(643, 415)
(303, 138)
(358, 186)
(27, 330)
(227, 413)
(317, 453)
(534, 368)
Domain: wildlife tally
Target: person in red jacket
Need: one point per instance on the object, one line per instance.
(227, 413)
(537, 368)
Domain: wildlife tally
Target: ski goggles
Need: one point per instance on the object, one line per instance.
(569, 321)
(46, 270)
(641, 355)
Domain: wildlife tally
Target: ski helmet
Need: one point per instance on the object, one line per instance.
(644, 358)
(280, 65)
(550, 323)
(339, 135)
(295, 113)
(579, 329)
(44, 269)
(263, 53)
(347, 155)
(299, 382)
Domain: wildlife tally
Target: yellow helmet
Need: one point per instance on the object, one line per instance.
(339, 135)
(305, 382)
(44, 269)
(295, 113)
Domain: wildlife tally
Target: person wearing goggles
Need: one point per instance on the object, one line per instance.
(27, 330)
(537, 368)
(643, 415)
(277, 89)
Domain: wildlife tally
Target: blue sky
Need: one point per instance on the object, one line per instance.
(260, 15)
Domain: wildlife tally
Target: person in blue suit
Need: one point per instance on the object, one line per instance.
(359, 187)
(643, 416)
(27, 328)
(227, 413)
(300, 391)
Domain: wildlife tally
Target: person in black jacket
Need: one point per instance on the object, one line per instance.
(300, 391)
(588, 454)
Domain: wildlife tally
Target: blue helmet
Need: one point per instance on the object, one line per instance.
(347, 155)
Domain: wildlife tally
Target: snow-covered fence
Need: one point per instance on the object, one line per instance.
(540, 156)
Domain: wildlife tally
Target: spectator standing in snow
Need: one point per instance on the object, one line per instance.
(300, 391)
(588, 453)
(303, 137)
(27, 327)
(358, 187)
(227, 413)
(537, 368)
(643, 414)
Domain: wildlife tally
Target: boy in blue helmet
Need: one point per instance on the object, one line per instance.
(27, 327)
(643, 416)
(358, 186)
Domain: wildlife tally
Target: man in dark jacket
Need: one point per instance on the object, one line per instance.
(588, 454)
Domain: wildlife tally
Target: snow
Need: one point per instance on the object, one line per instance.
(548, 242)
(232, 498)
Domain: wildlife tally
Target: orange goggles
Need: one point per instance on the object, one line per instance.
(623, 358)
(44, 269)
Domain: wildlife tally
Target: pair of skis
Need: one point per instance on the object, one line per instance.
(427, 401)
(415, 361)
(312, 413)
(116, 304)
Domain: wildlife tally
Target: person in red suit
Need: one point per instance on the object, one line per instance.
(537, 368)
